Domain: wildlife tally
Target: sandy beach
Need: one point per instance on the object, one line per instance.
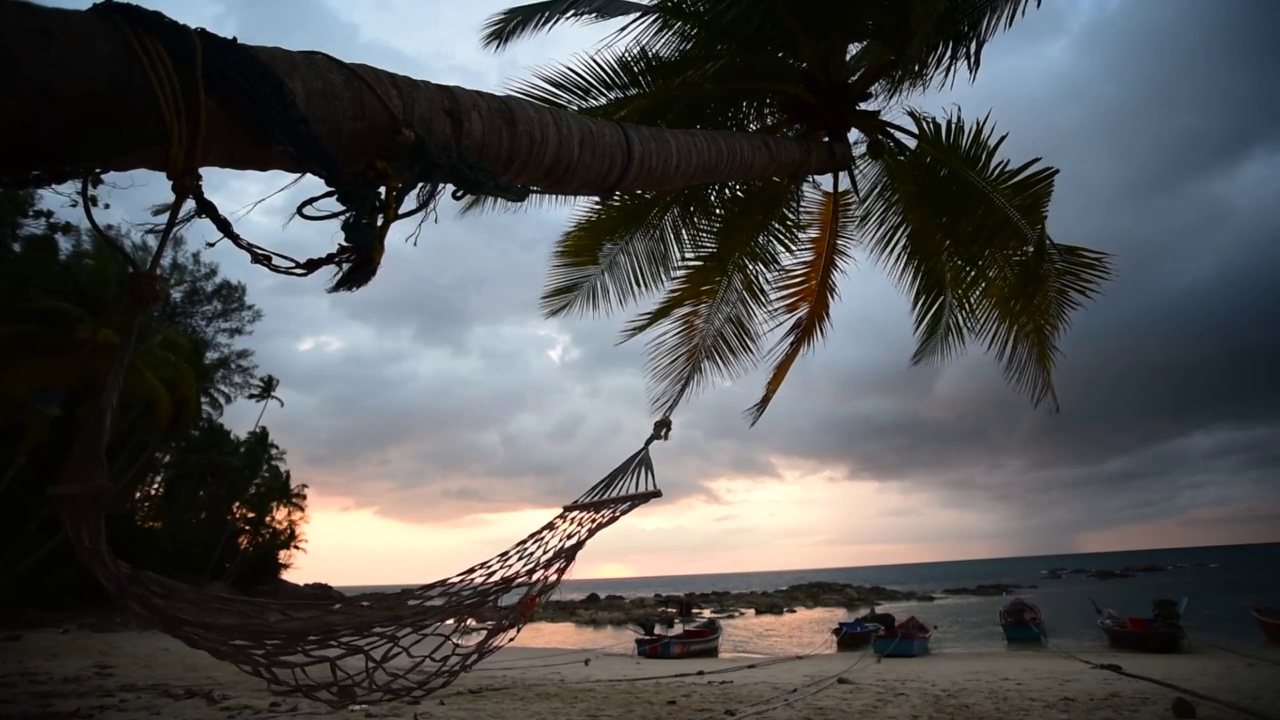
(136, 675)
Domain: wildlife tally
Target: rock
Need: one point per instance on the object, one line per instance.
(619, 610)
(991, 590)
(214, 697)
(1108, 575)
(1149, 567)
(281, 589)
(1053, 576)
(1183, 709)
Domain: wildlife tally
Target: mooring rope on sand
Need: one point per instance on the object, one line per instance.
(510, 663)
(754, 665)
(1250, 656)
(1118, 670)
(794, 695)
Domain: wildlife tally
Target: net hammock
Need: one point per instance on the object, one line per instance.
(370, 648)
(377, 647)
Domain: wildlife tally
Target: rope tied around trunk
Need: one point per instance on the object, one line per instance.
(232, 74)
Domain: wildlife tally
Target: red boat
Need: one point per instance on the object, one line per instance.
(1269, 620)
(1160, 633)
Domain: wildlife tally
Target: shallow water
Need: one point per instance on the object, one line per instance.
(1220, 585)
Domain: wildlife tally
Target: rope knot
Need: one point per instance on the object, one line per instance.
(185, 184)
(662, 429)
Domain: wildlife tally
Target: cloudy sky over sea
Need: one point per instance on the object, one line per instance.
(437, 418)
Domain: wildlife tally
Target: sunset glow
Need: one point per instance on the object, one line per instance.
(805, 520)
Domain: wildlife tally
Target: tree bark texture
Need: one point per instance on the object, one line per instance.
(76, 97)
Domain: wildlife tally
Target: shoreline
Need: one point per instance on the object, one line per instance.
(131, 675)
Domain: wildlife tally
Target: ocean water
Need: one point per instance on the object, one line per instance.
(1219, 583)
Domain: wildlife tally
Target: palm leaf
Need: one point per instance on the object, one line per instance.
(691, 90)
(619, 251)
(930, 41)
(964, 233)
(479, 204)
(808, 285)
(515, 23)
(709, 324)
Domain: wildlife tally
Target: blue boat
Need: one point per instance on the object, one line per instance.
(909, 638)
(854, 634)
(1022, 622)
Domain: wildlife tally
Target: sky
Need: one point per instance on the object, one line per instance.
(437, 418)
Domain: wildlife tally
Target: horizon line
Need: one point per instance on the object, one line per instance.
(847, 567)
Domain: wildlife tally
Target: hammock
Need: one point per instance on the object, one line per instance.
(369, 648)
(377, 647)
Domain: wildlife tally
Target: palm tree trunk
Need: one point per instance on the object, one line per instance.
(61, 66)
(261, 412)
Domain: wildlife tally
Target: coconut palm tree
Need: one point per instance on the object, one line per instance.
(960, 229)
(518, 141)
(264, 393)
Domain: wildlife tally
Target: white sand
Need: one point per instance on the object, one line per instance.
(137, 675)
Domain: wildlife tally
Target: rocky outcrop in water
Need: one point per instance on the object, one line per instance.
(618, 610)
(1108, 575)
(281, 589)
(1148, 568)
(991, 590)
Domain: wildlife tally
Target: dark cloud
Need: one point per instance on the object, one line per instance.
(1162, 125)
(439, 391)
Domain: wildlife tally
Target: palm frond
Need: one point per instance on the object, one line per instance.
(504, 28)
(479, 204)
(963, 232)
(619, 251)
(709, 324)
(942, 37)
(636, 85)
(807, 287)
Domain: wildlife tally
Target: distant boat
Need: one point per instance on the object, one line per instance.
(698, 640)
(1160, 633)
(1269, 620)
(1022, 622)
(909, 638)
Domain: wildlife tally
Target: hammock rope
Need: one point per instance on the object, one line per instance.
(370, 648)
(378, 647)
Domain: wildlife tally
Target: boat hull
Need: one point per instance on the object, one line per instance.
(1023, 633)
(1022, 622)
(900, 646)
(696, 642)
(854, 634)
(1269, 622)
(1147, 640)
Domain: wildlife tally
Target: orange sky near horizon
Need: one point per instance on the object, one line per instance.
(738, 526)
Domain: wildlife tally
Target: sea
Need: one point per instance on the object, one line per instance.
(1218, 582)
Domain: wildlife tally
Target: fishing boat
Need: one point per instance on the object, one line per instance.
(855, 634)
(701, 639)
(1160, 633)
(909, 638)
(1269, 620)
(1022, 622)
